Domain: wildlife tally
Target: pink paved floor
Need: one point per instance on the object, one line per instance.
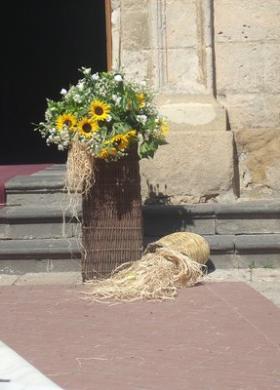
(213, 336)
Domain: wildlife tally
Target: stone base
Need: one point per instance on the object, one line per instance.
(259, 163)
(193, 167)
(188, 112)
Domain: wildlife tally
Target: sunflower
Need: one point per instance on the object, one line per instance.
(140, 97)
(99, 110)
(164, 127)
(107, 153)
(87, 127)
(131, 133)
(120, 141)
(68, 120)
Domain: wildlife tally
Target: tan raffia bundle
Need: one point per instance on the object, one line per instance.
(79, 169)
(79, 176)
(175, 261)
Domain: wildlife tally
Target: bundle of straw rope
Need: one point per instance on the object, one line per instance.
(175, 261)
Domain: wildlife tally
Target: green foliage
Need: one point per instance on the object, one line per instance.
(99, 108)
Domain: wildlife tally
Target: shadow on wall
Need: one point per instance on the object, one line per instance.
(155, 196)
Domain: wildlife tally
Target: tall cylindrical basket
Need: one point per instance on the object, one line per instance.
(112, 229)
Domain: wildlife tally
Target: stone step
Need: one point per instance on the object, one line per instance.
(241, 234)
(57, 255)
(53, 221)
(40, 188)
(39, 255)
(37, 222)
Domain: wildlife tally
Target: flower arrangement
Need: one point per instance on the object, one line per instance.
(105, 114)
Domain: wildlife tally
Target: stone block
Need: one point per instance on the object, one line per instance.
(163, 220)
(252, 110)
(245, 225)
(220, 244)
(186, 112)
(258, 260)
(239, 70)
(21, 267)
(181, 24)
(133, 5)
(135, 30)
(25, 198)
(265, 243)
(27, 230)
(143, 59)
(252, 20)
(224, 260)
(184, 71)
(198, 164)
(259, 162)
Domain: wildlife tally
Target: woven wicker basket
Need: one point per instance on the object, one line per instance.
(112, 217)
(188, 244)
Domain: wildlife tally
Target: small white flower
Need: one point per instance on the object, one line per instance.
(95, 76)
(87, 70)
(81, 85)
(63, 91)
(141, 118)
(60, 147)
(77, 98)
(118, 77)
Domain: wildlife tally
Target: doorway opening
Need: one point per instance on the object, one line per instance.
(43, 45)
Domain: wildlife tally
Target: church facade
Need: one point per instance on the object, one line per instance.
(215, 67)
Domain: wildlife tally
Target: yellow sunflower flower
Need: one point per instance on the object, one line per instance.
(140, 97)
(68, 120)
(99, 110)
(131, 133)
(107, 153)
(164, 127)
(87, 127)
(120, 141)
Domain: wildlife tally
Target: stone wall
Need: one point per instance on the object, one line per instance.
(206, 59)
(247, 59)
(247, 51)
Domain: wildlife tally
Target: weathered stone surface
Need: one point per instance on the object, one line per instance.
(259, 162)
(252, 110)
(136, 34)
(192, 164)
(224, 260)
(181, 23)
(252, 20)
(247, 57)
(221, 243)
(258, 260)
(187, 112)
(243, 225)
(239, 71)
(257, 243)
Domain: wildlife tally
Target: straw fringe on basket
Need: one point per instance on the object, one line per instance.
(79, 170)
(175, 261)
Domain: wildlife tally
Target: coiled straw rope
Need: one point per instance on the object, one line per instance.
(175, 261)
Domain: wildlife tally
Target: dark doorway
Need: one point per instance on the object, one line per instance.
(43, 45)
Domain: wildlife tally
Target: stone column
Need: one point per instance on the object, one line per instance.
(169, 43)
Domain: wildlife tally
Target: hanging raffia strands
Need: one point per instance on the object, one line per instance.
(175, 261)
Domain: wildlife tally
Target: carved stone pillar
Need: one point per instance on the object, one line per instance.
(169, 43)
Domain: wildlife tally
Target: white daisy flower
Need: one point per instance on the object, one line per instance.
(118, 77)
(141, 118)
(63, 91)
